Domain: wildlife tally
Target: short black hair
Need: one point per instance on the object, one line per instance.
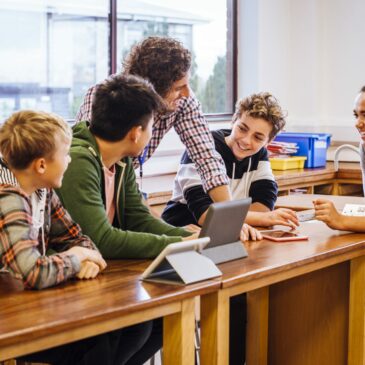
(362, 89)
(121, 103)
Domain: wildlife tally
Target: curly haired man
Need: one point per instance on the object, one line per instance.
(165, 62)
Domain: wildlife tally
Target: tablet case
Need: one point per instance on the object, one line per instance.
(223, 225)
(183, 267)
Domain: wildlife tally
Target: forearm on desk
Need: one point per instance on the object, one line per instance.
(351, 223)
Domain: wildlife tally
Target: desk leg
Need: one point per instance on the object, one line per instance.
(356, 354)
(257, 326)
(336, 189)
(178, 335)
(214, 325)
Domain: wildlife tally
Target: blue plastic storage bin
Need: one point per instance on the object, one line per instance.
(312, 145)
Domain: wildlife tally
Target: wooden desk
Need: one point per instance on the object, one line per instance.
(158, 188)
(304, 178)
(31, 321)
(306, 301)
(349, 173)
(305, 201)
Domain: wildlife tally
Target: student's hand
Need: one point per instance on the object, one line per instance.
(249, 233)
(86, 254)
(326, 212)
(194, 236)
(192, 228)
(89, 270)
(283, 217)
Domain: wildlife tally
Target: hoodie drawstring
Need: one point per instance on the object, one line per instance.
(247, 179)
(233, 176)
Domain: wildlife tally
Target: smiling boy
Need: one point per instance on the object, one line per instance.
(324, 209)
(359, 114)
(257, 120)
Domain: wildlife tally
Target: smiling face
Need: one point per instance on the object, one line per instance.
(359, 113)
(248, 136)
(179, 89)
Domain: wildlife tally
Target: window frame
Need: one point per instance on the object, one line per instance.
(232, 56)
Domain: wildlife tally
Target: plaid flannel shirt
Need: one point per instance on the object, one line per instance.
(193, 130)
(20, 242)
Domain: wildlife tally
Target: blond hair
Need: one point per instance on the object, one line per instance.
(27, 135)
(265, 106)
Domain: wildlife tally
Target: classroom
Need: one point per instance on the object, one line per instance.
(182, 183)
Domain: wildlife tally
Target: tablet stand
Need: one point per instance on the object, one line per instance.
(184, 268)
(226, 252)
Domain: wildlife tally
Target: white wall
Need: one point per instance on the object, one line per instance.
(309, 54)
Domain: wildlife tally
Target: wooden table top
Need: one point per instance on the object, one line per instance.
(269, 258)
(117, 293)
(305, 201)
(269, 262)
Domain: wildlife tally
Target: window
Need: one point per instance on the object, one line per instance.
(51, 51)
(190, 22)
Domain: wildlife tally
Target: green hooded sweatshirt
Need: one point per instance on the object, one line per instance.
(135, 233)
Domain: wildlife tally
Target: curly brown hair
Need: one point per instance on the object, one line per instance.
(160, 60)
(265, 106)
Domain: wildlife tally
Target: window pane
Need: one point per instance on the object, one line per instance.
(50, 53)
(200, 25)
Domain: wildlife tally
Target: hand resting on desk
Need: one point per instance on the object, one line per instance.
(326, 212)
(91, 262)
(260, 216)
(89, 270)
(249, 233)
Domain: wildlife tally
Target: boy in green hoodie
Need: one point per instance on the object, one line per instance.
(99, 187)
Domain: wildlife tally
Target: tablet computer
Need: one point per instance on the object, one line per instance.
(223, 225)
(179, 263)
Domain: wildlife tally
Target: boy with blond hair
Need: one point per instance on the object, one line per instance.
(35, 146)
(35, 154)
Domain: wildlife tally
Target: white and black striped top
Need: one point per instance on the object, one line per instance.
(250, 177)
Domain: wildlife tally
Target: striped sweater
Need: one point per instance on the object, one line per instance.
(251, 177)
(32, 225)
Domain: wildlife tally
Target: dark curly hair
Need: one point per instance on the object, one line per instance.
(160, 60)
(265, 106)
(362, 89)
